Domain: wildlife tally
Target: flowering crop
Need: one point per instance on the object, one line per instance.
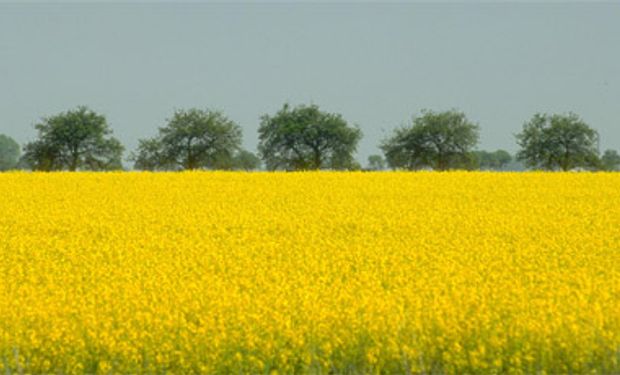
(219, 272)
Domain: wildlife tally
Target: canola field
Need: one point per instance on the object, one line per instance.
(324, 272)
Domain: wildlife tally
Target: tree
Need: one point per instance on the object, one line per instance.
(304, 138)
(376, 162)
(343, 161)
(610, 161)
(191, 139)
(246, 160)
(496, 160)
(9, 153)
(74, 140)
(439, 140)
(149, 156)
(556, 141)
(501, 158)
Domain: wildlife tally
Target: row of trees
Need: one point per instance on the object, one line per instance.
(303, 138)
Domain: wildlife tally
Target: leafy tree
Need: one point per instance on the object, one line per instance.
(344, 161)
(501, 158)
(9, 153)
(439, 140)
(610, 161)
(556, 141)
(191, 139)
(496, 160)
(304, 137)
(246, 160)
(74, 140)
(346, 164)
(149, 156)
(376, 162)
(482, 159)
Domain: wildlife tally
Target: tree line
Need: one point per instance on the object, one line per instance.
(303, 138)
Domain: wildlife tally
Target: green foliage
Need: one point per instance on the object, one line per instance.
(496, 160)
(345, 164)
(304, 138)
(74, 140)
(9, 153)
(191, 139)
(376, 163)
(246, 160)
(610, 161)
(343, 161)
(149, 156)
(553, 142)
(437, 140)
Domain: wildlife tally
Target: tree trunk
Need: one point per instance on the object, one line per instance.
(317, 159)
(74, 163)
(190, 158)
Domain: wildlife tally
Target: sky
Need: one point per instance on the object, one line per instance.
(377, 64)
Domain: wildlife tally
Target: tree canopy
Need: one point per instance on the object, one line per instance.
(9, 153)
(558, 142)
(437, 140)
(376, 162)
(78, 139)
(610, 161)
(496, 160)
(305, 137)
(191, 139)
(246, 161)
(149, 156)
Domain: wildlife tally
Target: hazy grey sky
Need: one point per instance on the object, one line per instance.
(377, 64)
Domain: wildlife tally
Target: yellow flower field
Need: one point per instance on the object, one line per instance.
(216, 272)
